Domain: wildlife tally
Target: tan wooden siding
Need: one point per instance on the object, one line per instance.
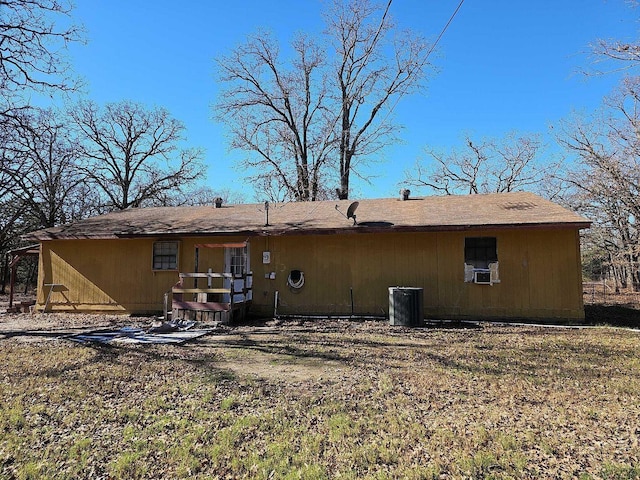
(102, 275)
(539, 273)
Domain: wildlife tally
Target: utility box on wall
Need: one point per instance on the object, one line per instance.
(406, 306)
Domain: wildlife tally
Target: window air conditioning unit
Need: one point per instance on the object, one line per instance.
(482, 277)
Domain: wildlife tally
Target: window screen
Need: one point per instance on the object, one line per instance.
(165, 256)
(480, 251)
(238, 260)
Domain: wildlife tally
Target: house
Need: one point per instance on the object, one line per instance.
(488, 256)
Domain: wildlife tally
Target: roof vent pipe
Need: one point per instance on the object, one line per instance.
(218, 202)
(404, 194)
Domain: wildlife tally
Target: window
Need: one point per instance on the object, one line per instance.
(238, 261)
(480, 251)
(165, 256)
(481, 260)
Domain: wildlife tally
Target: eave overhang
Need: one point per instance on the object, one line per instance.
(292, 231)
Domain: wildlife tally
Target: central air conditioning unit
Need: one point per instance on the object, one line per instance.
(482, 277)
(406, 306)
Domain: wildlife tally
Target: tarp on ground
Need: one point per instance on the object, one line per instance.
(137, 335)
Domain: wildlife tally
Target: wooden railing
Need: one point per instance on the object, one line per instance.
(202, 301)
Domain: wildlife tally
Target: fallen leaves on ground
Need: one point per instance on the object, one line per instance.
(325, 399)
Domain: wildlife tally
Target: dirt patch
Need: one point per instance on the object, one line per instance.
(252, 349)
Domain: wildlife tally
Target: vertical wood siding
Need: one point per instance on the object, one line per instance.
(539, 271)
(102, 275)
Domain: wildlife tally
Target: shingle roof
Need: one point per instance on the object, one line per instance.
(503, 210)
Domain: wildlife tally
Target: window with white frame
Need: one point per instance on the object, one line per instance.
(165, 255)
(238, 261)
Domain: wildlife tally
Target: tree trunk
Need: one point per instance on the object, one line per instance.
(345, 170)
(634, 274)
(345, 150)
(5, 274)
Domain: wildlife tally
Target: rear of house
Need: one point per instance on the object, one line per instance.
(499, 256)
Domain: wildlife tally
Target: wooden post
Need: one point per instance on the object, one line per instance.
(166, 306)
(195, 279)
(351, 293)
(5, 273)
(231, 295)
(12, 282)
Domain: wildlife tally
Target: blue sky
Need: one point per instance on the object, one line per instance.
(503, 65)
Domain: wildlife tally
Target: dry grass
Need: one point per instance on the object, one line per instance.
(327, 400)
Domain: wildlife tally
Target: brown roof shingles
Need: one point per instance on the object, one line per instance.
(504, 210)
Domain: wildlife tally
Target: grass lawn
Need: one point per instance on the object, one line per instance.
(327, 400)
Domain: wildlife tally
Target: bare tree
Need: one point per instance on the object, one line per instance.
(624, 55)
(278, 113)
(33, 37)
(132, 154)
(16, 217)
(488, 166)
(205, 195)
(45, 171)
(606, 178)
(628, 53)
(41, 175)
(11, 206)
(8, 163)
(604, 181)
(314, 120)
(370, 82)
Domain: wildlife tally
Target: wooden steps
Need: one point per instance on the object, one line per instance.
(211, 304)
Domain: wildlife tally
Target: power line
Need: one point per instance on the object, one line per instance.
(444, 29)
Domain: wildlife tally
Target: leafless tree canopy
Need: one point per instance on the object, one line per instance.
(33, 38)
(276, 111)
(132, 153)
(307, 123)
(370, 81)
(617, 54)
(56, 166)
(488, 166)
(205, 195)
(619, 51)
(40, 184)
(44, 166)
(606, 178)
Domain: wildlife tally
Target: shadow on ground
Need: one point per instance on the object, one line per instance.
(616, 315)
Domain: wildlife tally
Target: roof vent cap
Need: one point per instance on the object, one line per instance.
(218, 202)
(404, 194)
